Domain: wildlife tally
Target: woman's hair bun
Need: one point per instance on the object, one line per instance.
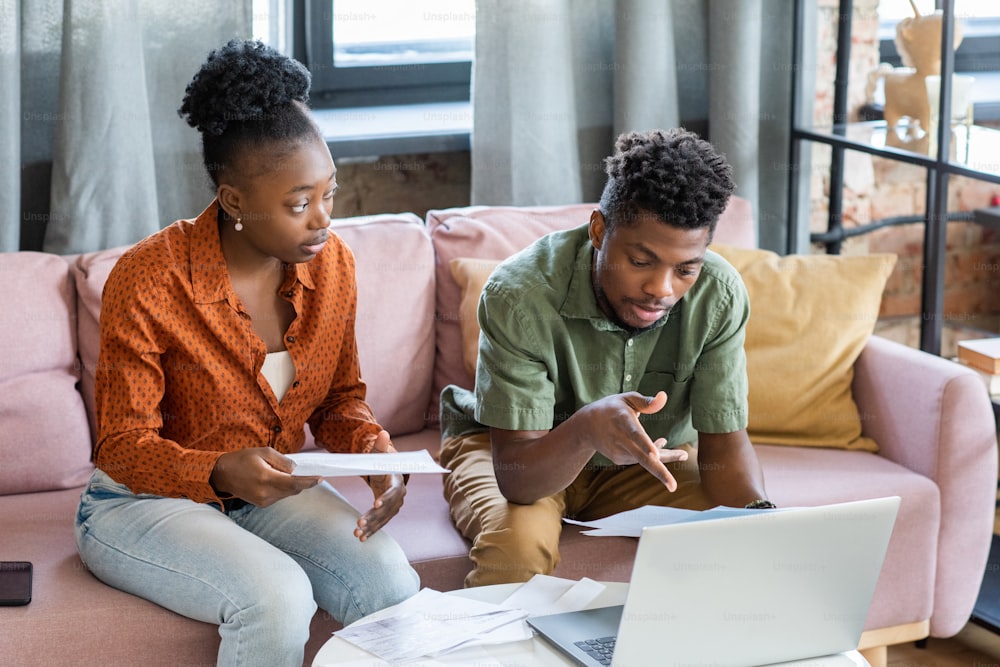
(245, 80)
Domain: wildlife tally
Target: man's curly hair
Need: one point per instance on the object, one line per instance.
(246, 94)
(673, 174)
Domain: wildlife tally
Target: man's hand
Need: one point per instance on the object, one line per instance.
(259, 475)
(535, 464)
(618, 435)
(389, 491)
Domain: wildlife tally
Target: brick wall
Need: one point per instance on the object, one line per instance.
(399, 183)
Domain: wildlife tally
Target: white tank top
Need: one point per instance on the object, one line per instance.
(279, 371)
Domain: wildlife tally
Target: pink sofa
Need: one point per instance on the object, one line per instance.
(930, 416)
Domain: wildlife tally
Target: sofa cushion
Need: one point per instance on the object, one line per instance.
(810, 317)
(90, 271)
(471, 275)
(395, 321)
(395, 273)
(45, 440)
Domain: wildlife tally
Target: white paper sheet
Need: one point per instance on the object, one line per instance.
(329, 464)
(428, 624)
(631, 522)
(545, 594)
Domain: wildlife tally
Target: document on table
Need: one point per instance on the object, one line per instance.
(426, 624)
(438, 625)
(630, 523)
(328, 464)
(545, 594)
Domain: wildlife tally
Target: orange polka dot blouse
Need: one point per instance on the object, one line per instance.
(178, 380)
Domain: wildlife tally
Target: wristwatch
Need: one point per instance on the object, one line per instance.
(760, 504)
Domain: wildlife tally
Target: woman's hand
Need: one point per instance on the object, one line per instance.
(389, 491)
(258, 475)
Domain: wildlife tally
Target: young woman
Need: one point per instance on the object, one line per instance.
(221, 337)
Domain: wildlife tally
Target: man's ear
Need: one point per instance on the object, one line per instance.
(598, 227)
(230, 199)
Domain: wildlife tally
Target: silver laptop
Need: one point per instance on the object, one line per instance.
(768, 587)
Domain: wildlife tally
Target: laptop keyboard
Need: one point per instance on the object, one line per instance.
(598, 649)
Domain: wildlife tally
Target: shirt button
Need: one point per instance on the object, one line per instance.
(628, 378)
(290, 339)
(630, 341)
(277, 429)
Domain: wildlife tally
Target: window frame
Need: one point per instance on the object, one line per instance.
(343, 87)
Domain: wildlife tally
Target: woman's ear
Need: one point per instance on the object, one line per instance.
(230, 200)
(598, 227)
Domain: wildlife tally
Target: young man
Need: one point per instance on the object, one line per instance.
(611, 368)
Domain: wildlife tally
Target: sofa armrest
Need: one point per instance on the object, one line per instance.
(934, 417)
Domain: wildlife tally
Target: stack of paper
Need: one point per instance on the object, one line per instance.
(431, 623)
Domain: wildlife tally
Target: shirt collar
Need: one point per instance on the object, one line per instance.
(209, 276)
(580, 302)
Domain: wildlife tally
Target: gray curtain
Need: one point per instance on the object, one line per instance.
(10, 125)
(554, 82)
(95, 155)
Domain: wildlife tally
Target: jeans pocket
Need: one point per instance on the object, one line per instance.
(100, 489)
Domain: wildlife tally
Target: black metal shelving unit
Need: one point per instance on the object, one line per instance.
(938, 167)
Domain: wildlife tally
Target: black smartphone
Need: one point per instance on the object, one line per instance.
(15, 583)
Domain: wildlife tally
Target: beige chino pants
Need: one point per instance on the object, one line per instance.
(512, 543)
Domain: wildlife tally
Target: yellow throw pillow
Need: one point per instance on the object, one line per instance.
(810, 317)
(471, 275)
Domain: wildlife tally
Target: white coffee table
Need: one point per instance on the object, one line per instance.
(526, 653)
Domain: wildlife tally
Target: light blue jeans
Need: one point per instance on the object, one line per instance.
(257, 572)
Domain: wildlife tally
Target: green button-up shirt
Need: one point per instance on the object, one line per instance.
(546, 349)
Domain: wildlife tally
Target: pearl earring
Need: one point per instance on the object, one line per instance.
(239, 223)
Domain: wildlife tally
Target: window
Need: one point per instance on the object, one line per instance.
(271, 23)
(388, 76)
(383, 52)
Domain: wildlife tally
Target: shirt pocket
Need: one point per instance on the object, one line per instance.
(676, 414)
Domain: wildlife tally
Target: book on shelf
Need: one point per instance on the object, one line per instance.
(981, 353)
